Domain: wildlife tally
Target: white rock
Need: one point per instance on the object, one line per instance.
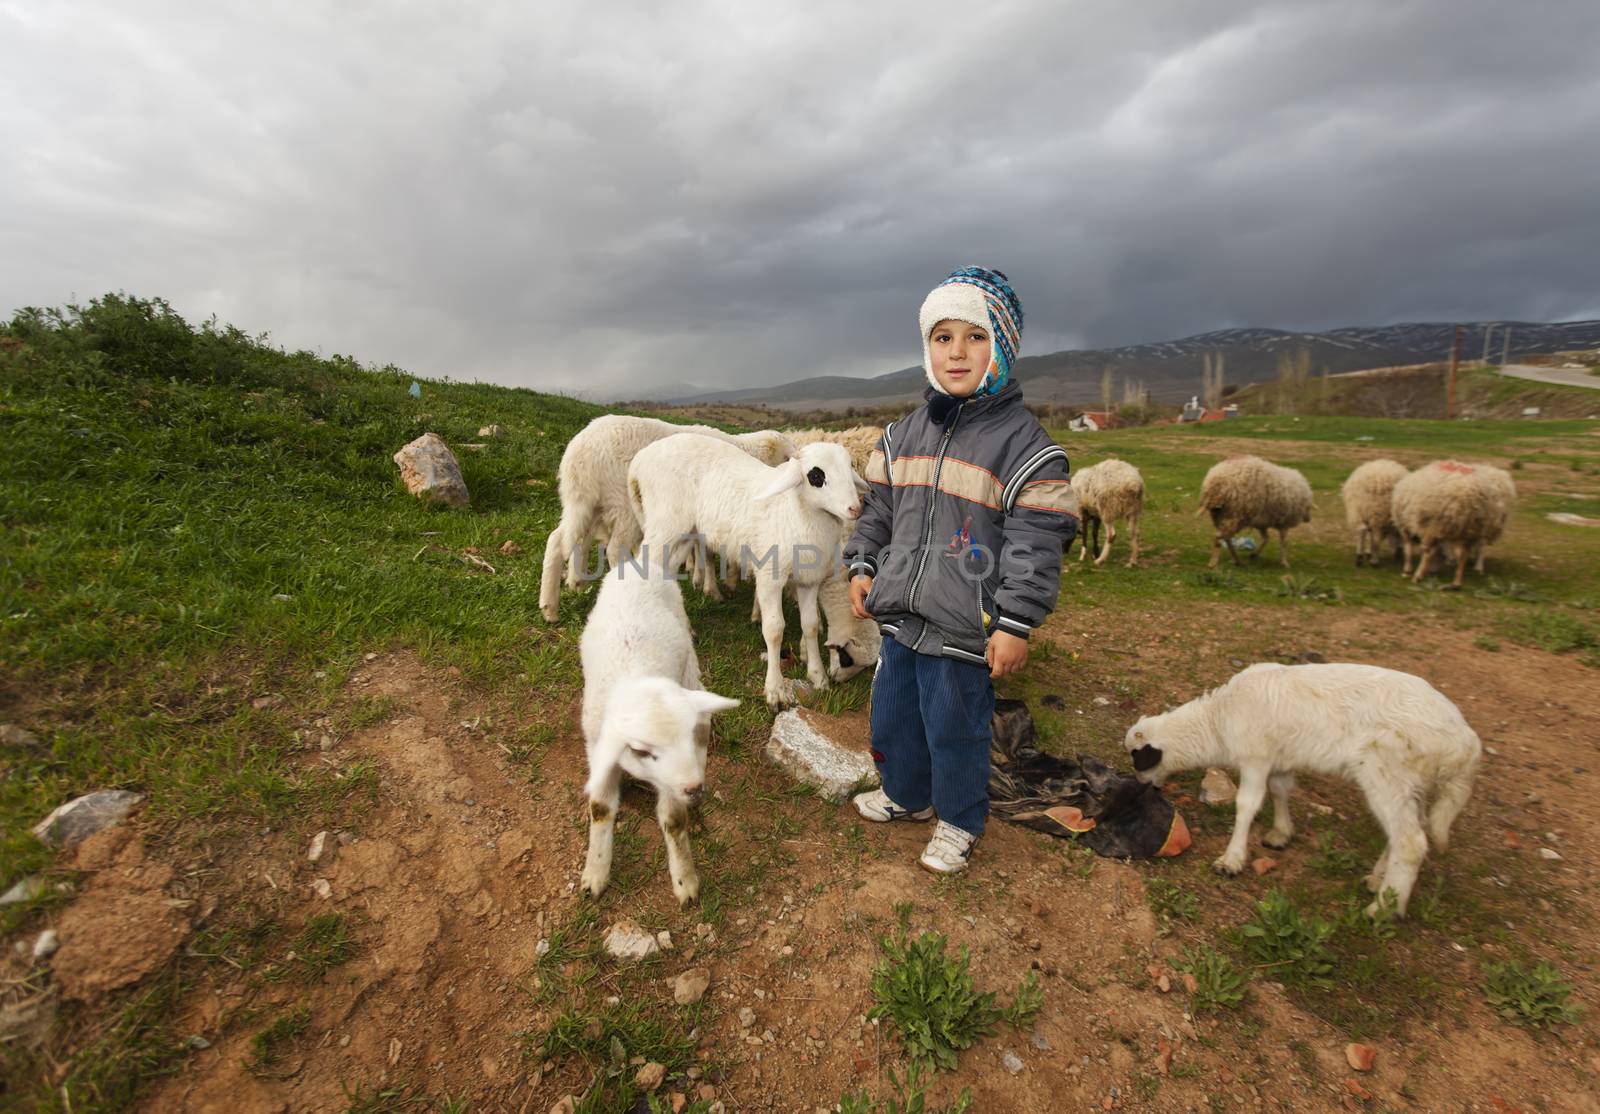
(319, 847)
(323, 888)
(1548, 853)
(1101, 702)
(813, 758)
(691, 986)
(13, 736)
(491, 431)
(664, 939)
(25, 890)
(46, 945)
(747, 1017)
(1217, 788)
(627, 940)
(429, 470)
(542, 948)
(83, 816)
(1011, 1062)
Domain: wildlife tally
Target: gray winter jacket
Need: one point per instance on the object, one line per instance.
(962, 529)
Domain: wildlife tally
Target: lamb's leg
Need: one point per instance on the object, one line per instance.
(1463, 554)
(550, 579)
(1228, 541)
(1361, 546)
(1252, 791)
(1282, 831)
(806, 596)
(1478, 565)
(674, 821)
(1111, 536)
(1374, 877)
(603, 801)
(1262, 548)
(1428, 545)
(769, 595)
(1283, 546)
(1133, 540)
(577, 531)
(1395, 806)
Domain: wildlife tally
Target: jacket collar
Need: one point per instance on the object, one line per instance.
(941, 407)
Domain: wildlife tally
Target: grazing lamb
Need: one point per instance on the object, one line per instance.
(1448, 503)
(644, 714)
(1248, 493)
(1393, 734)
(593, 482)
(1368, 501)
(859, 441)
(1108, 491)
(782, 524)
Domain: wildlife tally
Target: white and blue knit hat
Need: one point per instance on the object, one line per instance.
(984, 298)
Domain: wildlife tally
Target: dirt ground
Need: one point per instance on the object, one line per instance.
(465, 864)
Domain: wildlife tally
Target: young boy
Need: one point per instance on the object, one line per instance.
(957, 554)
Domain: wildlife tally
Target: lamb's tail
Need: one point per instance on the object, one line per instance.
(1454, 790)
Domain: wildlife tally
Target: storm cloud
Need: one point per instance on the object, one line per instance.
(611, 197)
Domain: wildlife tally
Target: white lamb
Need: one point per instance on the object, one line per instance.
(781, 524)
(1393, 734)
(593, 483)
(1369, 506)
(1108, 491)
(1248, 493)
(646, 715)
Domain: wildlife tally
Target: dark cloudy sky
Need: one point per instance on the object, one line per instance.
(610, 195)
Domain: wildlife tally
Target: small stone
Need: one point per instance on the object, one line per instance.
(327, 742)
(46, 944)
(747, 1017)
(25, 890)
(1011, 1062)
(395, 1048)
(707, 1092)
(541, 949)
(1263, 864)
(319, 847)
(197, 1042)
(1039, 1041)
(1163, 1057)
(13, 736)
(1550, 853)
(565, 1105)
(664, 940)
(627, 940)
(691, 986)
(649, 1077)
(786, 951)
(323, 888)
(1190, 983)
(1101, 702)
(491, 430)
(344, 1041)
(1360, 1056)
(1355, 1088)
(510, 548)
(1217, 788)
(679, 1100)
(1164, 984)
(82, 816)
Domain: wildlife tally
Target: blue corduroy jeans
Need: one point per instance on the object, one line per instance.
(931, 734)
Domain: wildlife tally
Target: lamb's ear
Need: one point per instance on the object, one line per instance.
(784, 476)
(709, 703)
(861, 485)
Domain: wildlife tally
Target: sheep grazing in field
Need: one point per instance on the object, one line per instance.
(1368, 507)
(593, 483)
(645, 715)
(1393, 734)
(1108, 491)
(781, 524)
(1248, 493)
(1450, 504)
(859, 441)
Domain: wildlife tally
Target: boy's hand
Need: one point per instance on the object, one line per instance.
(859, 587)
(1006, 653)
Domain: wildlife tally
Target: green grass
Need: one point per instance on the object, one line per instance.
(1218, 984)
(268, 1045)
(1539, 997)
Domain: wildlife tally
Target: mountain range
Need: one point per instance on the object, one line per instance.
(1171, 370)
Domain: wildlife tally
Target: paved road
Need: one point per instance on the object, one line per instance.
(1566, 376)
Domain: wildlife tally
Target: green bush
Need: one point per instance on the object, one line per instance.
(1281, 937)
(1219, 985)
(1538, 997)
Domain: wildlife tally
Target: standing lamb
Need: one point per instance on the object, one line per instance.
(782, 524)
(646, 715)
(1108, 491)
(593, 482)
(1248, 493)
(1368, 507)
(1393, 734)
(1448, 503)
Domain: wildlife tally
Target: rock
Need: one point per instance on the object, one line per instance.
(1355, 1088)
(1101, 702)
(510, 548)
(628, 941)
(707, 1092)
(1263, 864)
(28, 1023)
(1190, 983)
(1360, 1056)
(649, 1077)
(664, 939)
(565, 1105)
(705, 933)
(83, 816)
(1011, 1062)
(13, 736)
(25, 890)
(45, 946)
(319, 847)
(747, 1017)
(690, 986)
(1217, 788)
(679, 1100)
(429, 470)
(1549, 853)
(492, 430)
(813, 758)
(197, 1043)
(1163, 1057)
(1163, 983)
(1039, 1040)
(323, 888)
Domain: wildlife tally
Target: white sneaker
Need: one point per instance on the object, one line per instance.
(949, 849)
(877, 806)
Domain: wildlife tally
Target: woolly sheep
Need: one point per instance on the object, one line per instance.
(1368, 499)
(859, 441)
(1108, 491)
(1448, 503)
(592, 481)
(783, 524)
(1248, 493)
(1393, 734)
(644, 714)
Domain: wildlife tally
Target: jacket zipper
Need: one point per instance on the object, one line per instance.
(933, 502)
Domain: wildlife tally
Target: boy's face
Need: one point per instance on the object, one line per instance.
(960, 354)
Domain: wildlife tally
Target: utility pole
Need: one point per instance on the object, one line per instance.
(1488, 335)
(1455, 362)
(1505, 348)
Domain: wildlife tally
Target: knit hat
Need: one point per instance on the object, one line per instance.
(979, 297)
